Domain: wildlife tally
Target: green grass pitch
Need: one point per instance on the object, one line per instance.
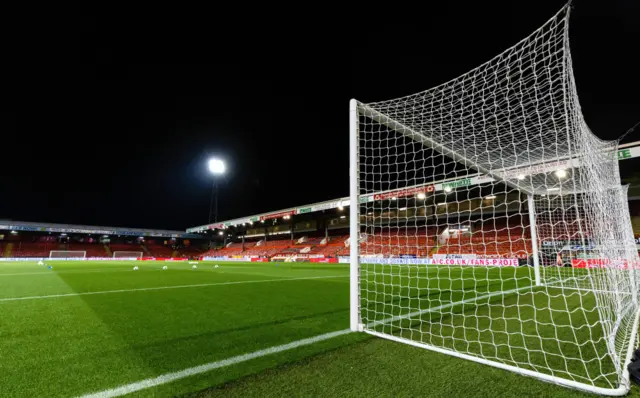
(85, 327)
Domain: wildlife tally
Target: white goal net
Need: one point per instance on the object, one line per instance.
(492, 224)
(67, 254)
(127, 254)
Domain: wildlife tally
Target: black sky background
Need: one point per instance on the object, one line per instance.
(110, 121)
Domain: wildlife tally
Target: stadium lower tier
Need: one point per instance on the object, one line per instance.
(387, 245)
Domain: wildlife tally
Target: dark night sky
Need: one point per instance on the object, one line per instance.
(110, 122)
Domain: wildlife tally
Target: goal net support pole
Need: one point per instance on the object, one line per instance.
(534, 238)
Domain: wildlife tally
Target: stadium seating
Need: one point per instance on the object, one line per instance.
(503, 238)
(157, 250)
(125, 247)
(33, 249)
(332, 248)
(268, 248)
(92, 249)
(227, 251)
(189, 251)
(495, 238)
(326, 250)
(311, 242)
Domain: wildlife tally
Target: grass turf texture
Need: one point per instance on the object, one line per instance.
(73, 345)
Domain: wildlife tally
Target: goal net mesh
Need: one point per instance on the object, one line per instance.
(67, 254)
(492, 221)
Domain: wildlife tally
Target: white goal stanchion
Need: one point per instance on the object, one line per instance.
(127, 255)
(67, 254)
(492, 225)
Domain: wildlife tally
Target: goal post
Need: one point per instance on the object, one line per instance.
(354, 220)
(127, 254)
(62, 254)
(487, 222)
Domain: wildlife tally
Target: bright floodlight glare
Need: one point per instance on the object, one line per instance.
(220, 233)
(216, 166)
(561, 173)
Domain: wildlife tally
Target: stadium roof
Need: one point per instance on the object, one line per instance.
(89, 229)
(626, 151)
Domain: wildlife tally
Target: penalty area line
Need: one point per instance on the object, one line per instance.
(170, 377)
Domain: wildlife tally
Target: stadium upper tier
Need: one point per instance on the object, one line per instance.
(626, 151)
(9, 225)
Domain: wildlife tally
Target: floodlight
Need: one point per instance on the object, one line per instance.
(561, 173)
(216, 166)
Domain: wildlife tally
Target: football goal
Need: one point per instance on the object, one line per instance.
(492, 225)
(67, 254)
(127, 255)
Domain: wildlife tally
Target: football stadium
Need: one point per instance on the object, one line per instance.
(487, 245)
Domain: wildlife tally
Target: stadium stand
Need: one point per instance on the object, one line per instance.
(92, 249)
(500, 237)
(33, 249)
(158, 250)
(312, 241)
(189, 251)
(505, 238)
(125, 247)
(267, 248)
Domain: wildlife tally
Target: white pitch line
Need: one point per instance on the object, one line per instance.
(170, 377)
(66, 272)
(168, 287)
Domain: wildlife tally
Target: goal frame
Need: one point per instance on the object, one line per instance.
(356, 109)
(84, 253)
(140, 254)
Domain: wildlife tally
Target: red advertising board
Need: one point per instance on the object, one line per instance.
(600, 263)
(323, 260)
(164, 259)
